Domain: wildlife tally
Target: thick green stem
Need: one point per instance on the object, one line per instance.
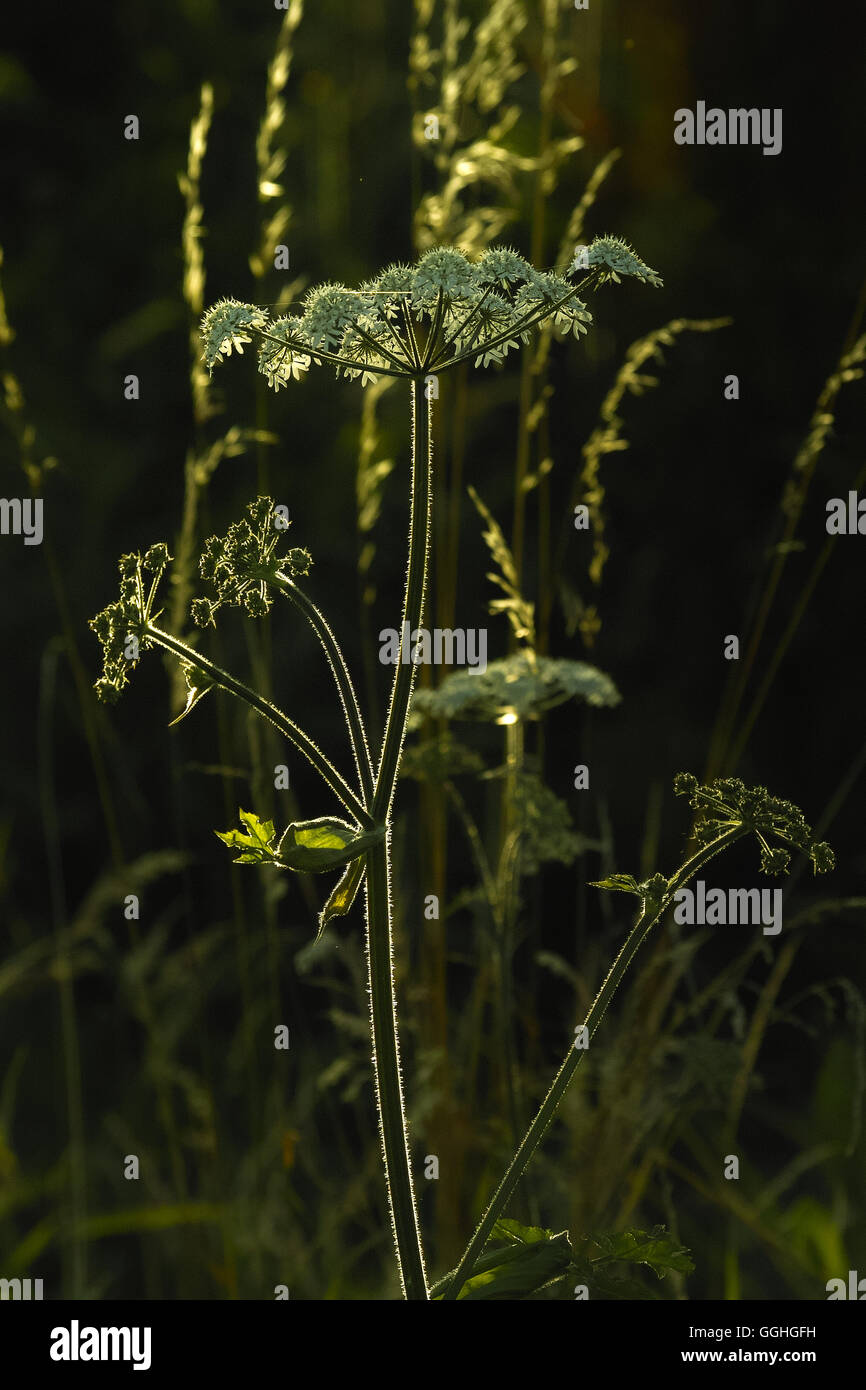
(380, 945)
(561, 1081)
(389, 1083)
(413, 602)
(275, 716)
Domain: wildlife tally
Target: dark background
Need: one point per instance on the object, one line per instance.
(90, 226)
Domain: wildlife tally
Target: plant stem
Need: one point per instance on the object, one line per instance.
(280, 721)
(319, 355)
(413, 602)
(389, 1084)
(529, 320)
(380, 944)
(351, 708)
(561, 1081)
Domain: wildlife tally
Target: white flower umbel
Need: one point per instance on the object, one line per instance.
(414, 320)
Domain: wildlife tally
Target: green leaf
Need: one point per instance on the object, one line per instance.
(343, 895)
(324, 835)
(527, 1259)
(512, 1231)
(257, 846)
(610, 1284)
(619, 883)
(598, 1262)
(262, 831)
(516, 1271)
(315, 846)
(311, 846)
(655, 1248)
(197, 686)
(652, 891)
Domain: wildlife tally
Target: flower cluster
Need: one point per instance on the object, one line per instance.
(413, 320)
(241, 564)
(122, 627)
(728, 801)
(610, 257)
(231, 323)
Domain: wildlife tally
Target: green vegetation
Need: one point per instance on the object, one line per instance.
(513, 450)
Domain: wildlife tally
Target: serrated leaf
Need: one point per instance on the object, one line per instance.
(313, 846)
(262, 831)
(233, 838)
(619, 883)
(606, 1283)
(257, 846)
(655, 1248)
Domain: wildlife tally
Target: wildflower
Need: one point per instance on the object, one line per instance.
(502, 266)
(444, 273)
(226, 325)
(412, 320)
(279, 362)
(728, 801)
(121, 627)
(614, 257)
(328, 310)
(240, 564)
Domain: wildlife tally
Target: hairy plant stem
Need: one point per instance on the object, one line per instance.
(413, 601)
(531, 1140)
(319, 354)
(351, 708)
(380, 943)
(275, 716)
